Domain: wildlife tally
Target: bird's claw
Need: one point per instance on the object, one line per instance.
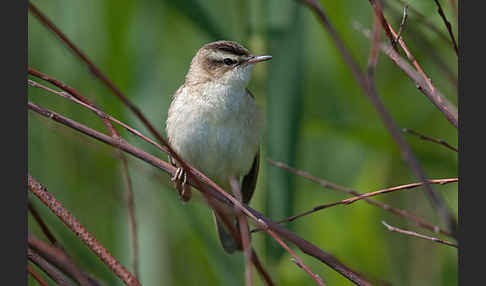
(180, 180)
(177, 175)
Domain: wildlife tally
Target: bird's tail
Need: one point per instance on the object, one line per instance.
(226, 239)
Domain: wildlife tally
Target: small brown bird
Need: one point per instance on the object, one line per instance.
(215, 125)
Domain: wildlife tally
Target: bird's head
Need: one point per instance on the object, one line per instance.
(223, 62)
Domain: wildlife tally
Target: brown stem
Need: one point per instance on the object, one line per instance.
(402, 24)
(297, 259)
(448, 25)
(55, 242)
(425, 45)
(397, 188)
(426, 138)
(378, 11)
(421, 17)
(367, 195)
(260, 269)
(214, 191)
(36, 275)
(236, 236)
(449, 111)
(58, 258)
(131, 215)
(412, 233)
(70, 221)
(42, 224)
(386, 207)
(444, 105)
(50, 270)
(447, 108)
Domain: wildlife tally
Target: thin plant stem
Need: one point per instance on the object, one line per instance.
(402, 24)
(427, 47)
(435, 96)
(414, 234)
(448, 26)
(367, 195)
(50, 270)
(449, 111)
(131, 215)
(42, 224)
(296, 259)
(59, 259)
(36, 275)
(259, 267)
(88, 239)
(425, 21)
(402, 213)
(426, 138)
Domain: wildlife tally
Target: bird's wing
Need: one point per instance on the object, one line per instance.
(250, 180)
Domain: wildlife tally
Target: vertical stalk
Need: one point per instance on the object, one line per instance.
(285, 74)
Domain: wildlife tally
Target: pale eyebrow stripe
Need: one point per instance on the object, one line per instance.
(218, 56)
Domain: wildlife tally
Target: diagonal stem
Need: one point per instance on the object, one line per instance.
(59, 259)
(36, 276)
(89, 240)
(414, 234)
(336, 187)
(50, 270)
(426, 138)
(448, 26)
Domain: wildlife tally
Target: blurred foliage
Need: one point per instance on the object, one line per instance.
(283, 113)
(322, 124)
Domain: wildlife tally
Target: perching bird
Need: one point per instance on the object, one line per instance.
(215, 125)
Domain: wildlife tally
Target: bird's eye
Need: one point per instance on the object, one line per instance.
(228, 61)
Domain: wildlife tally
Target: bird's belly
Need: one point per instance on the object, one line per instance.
(218, 146)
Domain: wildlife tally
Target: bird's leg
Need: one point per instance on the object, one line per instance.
(180, 180)
(186, 192)
(177, 175)
(178, 172)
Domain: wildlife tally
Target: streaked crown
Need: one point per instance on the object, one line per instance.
(222, 61)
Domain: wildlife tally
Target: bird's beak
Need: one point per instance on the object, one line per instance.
(257, 59)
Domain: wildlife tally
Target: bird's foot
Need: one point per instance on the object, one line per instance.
(180, 180)
(178, 175)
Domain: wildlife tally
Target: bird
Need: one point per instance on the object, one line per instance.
(215, 125)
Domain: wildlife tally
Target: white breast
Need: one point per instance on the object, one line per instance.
(216, 128)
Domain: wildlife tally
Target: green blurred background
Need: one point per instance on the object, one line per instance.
(317, 120)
